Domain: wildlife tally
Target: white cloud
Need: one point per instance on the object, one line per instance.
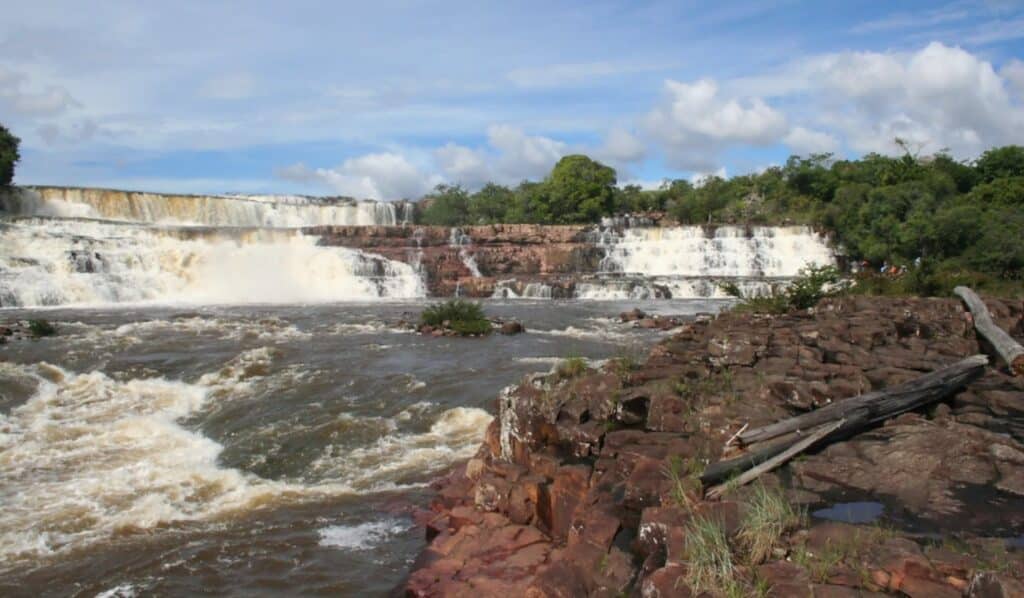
(384, 176)
(1013, 72)
(916, 20)
(235, 86)
(695, 122)
(621, 146)
(17, 95)
(510, 156)
(805, 141)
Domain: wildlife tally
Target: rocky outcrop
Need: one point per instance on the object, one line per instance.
(581, 487)
(510, 256)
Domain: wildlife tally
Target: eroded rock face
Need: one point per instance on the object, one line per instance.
(571, 494)
(508, 256)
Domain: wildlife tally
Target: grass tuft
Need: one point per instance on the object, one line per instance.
(709, 566)
(767, 515)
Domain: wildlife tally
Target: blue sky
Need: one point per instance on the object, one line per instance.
(387, 99)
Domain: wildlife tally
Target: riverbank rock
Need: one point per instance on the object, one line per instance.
(583, 485)
(512, 327)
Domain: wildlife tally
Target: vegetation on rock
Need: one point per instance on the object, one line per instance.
(40, 328)
(811, 285)
(462, 317)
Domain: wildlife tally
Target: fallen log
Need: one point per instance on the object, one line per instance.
(855, 414)
(770, 464)
(1009, 350)
(879, 404)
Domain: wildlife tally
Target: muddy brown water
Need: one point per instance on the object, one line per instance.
(251, 450)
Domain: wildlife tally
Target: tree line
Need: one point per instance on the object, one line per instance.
(933, 210)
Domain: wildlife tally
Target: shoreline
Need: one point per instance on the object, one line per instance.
(573, 490)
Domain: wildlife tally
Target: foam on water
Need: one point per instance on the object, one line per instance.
(88, 457)
(63, 262)
(363, 536)
(454, 436)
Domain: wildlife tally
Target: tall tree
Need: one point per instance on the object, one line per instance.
(580, 190)
(8, 155)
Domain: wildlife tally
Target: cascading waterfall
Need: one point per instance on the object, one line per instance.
(691, 261)
(506, 289)
(72, 246)
(462, 241)
(201, 210)
(60, 262)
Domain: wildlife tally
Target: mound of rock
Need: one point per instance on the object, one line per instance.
(576, 489)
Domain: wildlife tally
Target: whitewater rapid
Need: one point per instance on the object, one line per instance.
(89, 457)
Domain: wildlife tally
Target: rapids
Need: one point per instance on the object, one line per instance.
(251, 450)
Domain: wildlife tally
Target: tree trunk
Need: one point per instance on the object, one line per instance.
(1009, 350)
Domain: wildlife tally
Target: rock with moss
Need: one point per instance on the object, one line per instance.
(455, 318)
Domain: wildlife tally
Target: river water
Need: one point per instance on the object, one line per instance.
(252, 450)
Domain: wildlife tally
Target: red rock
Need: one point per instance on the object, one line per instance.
(567, 491)
(785, 579)
(994, 585)
(666, 582)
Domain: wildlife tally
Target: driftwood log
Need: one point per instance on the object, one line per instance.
(855, 414)
(1009, 350)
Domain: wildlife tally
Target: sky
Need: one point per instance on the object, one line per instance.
(387, 99)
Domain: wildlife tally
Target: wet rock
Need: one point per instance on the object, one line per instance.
(513, 327)
(632, 315)
(995, 585)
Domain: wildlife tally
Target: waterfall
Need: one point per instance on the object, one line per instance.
(60, 262)
(462, 241)
(692, 261)
(725, 251)
(201, 210)
(506, 289)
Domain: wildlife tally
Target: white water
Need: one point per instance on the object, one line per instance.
(506, 289)
(47, 262)
(278, 211)
(461, 240)
(726, 251)
(88, 457)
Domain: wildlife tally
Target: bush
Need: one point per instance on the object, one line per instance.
(811, 285)
(40, 328)
(571, 367)
(463, 317)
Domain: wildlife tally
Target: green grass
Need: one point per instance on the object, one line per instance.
(40, 328)
(571, 367)
(766, 517)
(684, 474)
(464, 317)
(709, 566)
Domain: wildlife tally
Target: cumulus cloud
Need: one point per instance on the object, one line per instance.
(384, 176)
(510, 156)
(695, 122)
(621, 146)
(1013, 72)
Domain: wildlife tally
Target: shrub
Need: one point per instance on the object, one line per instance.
(40, 328)
(463, 317)
(811, 284)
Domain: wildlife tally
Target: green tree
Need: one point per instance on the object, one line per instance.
(8, 155)
(448, 205)
(580, 190)
(491, 204)
(1001, 162)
